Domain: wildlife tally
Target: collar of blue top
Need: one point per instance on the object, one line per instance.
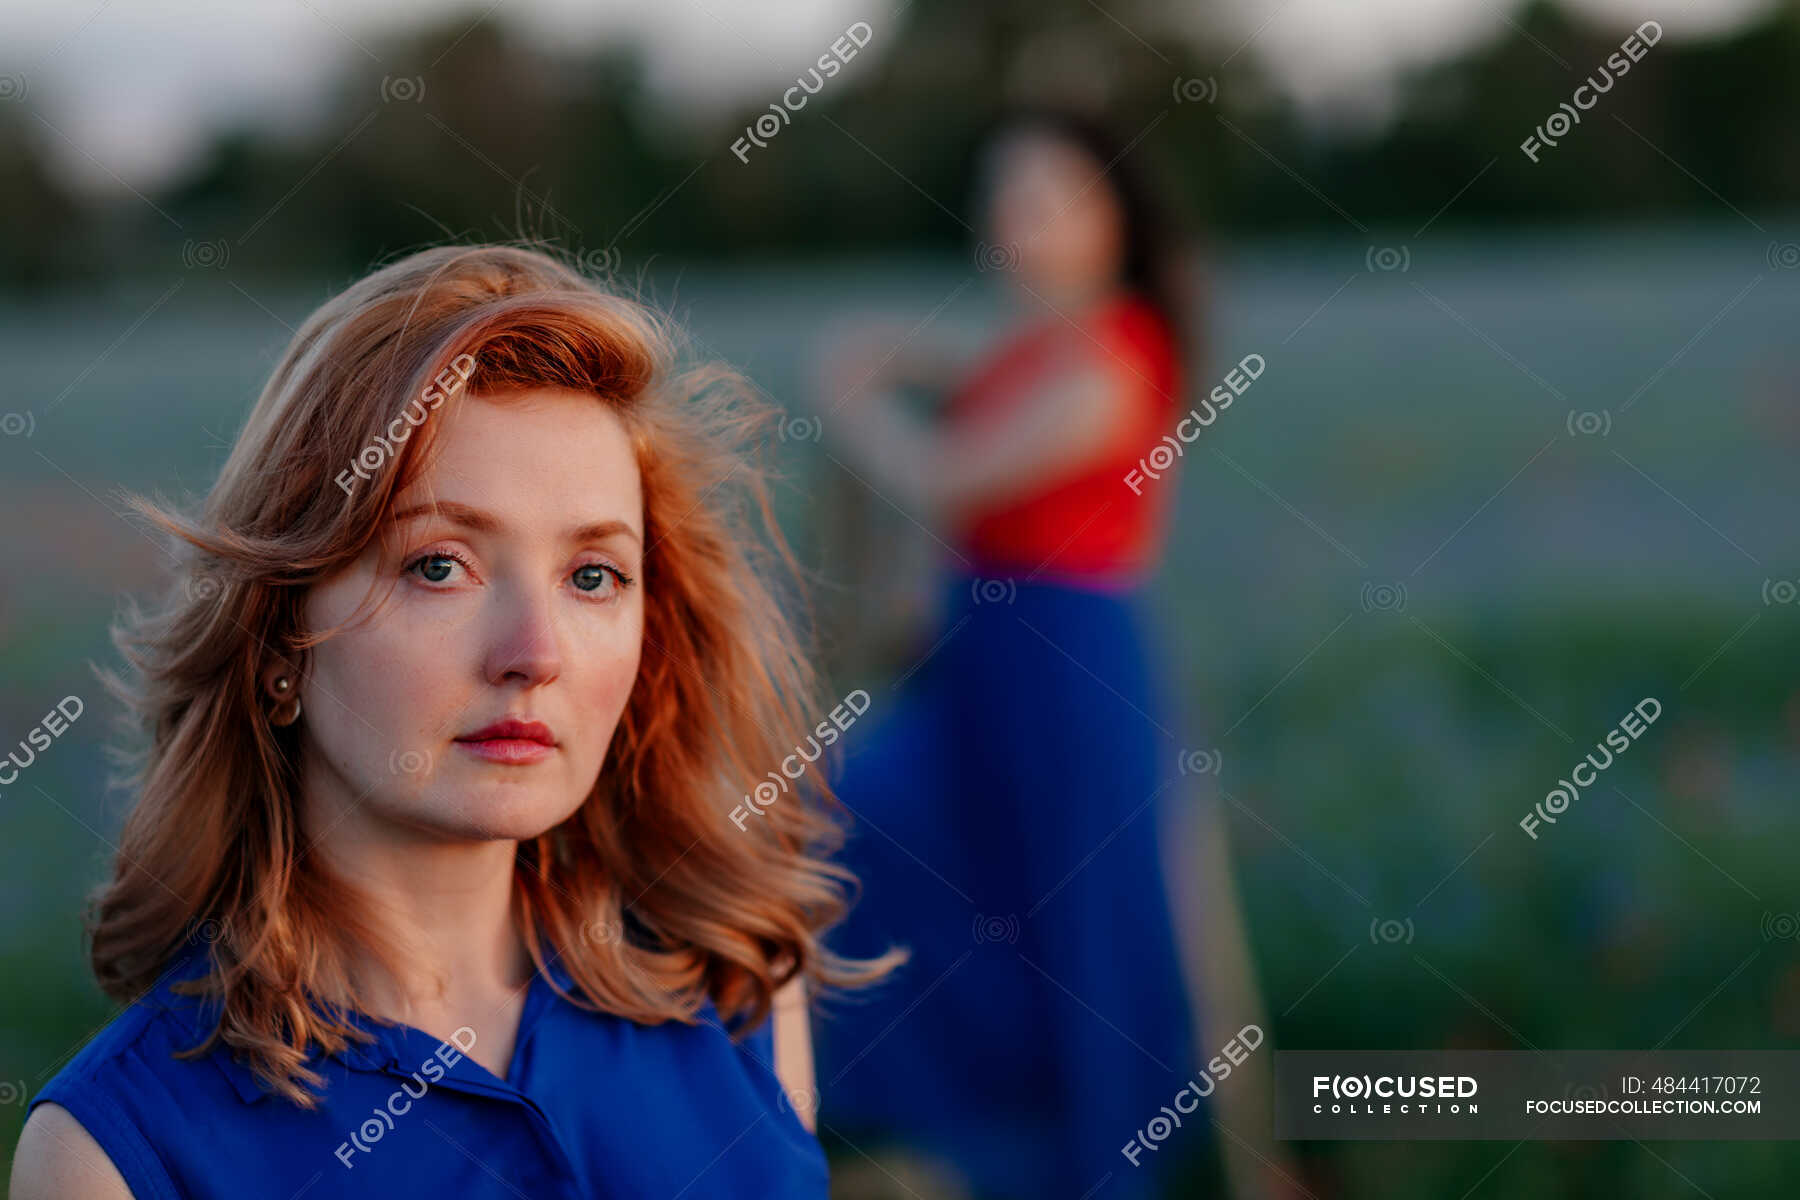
(396, 1049)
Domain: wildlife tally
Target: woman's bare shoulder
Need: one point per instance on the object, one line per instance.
(791, 1039)
(58, 1159)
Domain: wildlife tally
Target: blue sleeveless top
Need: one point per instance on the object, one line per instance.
(593, 1105)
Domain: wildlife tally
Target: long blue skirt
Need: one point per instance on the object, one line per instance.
(1005, 802)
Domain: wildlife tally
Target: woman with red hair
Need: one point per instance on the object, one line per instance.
(431, 885)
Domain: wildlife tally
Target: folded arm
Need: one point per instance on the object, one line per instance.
(1074, 418)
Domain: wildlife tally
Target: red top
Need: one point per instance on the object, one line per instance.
(1085, 520)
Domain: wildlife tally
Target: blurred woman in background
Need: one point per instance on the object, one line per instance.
(1007, 802)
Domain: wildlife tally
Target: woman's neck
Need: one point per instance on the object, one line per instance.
(444, 912)
(1076, 304)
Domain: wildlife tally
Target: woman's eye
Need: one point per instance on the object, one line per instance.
(599, 578)
(435, 568)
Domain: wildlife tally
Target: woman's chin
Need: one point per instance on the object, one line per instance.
(506, 813)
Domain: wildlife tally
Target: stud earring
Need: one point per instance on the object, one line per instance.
(287, 712)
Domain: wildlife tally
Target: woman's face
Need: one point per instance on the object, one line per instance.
(1052, 205)
(511, 602)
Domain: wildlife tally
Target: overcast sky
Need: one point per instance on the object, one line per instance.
(130, 90)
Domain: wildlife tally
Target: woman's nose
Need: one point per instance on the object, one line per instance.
(528, 645)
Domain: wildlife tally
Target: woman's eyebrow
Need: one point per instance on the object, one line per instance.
(480, 521)
(596, 530)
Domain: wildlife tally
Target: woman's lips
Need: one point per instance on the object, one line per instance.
(508, 751)
(511, 741)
